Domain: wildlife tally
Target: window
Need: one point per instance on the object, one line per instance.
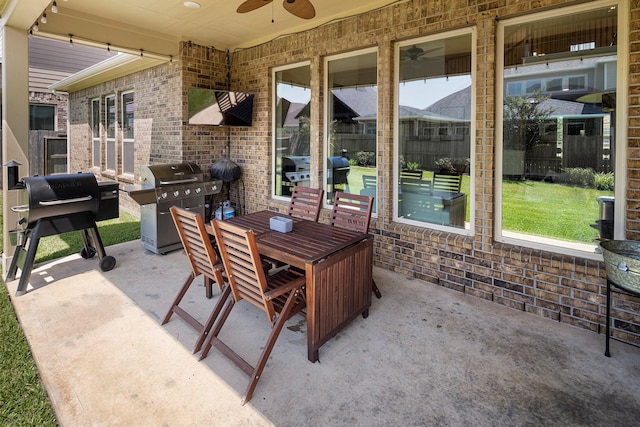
(554, 144)
(42, 117)
(291, 145)
(352, 108)
(110, 122)
(128, 146)
(432, 171)
(95, 133)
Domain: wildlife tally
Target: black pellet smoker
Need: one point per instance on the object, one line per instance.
(56, 204)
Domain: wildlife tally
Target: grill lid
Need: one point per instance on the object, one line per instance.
(56, 195)
(170, 174)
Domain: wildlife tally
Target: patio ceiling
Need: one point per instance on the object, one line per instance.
(158, 26)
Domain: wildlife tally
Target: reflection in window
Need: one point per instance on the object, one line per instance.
(95, 133)
(128, 150)
(556, 145)
(351, 128)
(291, 129)
(42, 117)
(433, 166)
(110, 121)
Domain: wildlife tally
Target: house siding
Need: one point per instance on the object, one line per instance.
(556, 286)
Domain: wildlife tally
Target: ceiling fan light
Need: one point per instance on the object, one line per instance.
(191, 5)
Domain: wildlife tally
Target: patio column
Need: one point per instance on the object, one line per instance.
(15, 122)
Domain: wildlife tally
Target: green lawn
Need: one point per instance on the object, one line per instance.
(532, 207)
(551, 210)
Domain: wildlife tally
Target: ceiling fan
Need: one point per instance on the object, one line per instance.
(300, 8)
(415, 53)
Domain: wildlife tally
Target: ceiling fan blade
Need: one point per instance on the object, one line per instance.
(300, 8)
(250, 5)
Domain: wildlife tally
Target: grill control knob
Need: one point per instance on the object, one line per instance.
(198, 190)
(163, 195)
(176, 193)
(187, 191)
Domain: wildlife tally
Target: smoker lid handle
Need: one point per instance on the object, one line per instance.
(179, 181)
(20, 208)
(63, 202)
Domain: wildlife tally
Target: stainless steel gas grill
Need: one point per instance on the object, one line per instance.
(165, 185)
(296, 170)
(59, 204)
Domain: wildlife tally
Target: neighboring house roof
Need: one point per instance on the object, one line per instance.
(293, 113)
(456, 106)
(362, 101)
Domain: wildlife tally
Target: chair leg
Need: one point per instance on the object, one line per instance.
(224, 306)
(273, 336)
(179, 297)
(375, 289)
(212, 318)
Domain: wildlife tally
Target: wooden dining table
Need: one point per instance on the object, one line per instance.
(338, 264)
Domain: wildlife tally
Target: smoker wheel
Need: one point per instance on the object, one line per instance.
(107, 263)
(87, 253)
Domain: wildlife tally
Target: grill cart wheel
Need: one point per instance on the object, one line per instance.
(87, 253)
(107, 263)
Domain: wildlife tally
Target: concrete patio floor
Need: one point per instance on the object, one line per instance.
(426, 355)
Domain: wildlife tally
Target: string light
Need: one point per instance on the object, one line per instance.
(44, 18)
(71, 40)
(54, 7)
(35, 27)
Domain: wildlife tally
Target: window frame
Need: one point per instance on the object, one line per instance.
(96, 141)
(126, 142)
(54, 117)
(109, 138)
(326, 123)
(274, 126)
(471, 197)
(545, 243)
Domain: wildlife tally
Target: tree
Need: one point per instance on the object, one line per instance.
(523, 119)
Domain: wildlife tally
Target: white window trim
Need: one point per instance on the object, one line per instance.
(552, 245)
(97, 139)
(325, 125)
(471, 198)
(127, 140)
(274, 125)
(106, 133)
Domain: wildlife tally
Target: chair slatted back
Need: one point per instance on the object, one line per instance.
(352, 211)
(195, 241)
(306, 202)
(415, 174)
(242, 263)
(369, 181)
(447, 182)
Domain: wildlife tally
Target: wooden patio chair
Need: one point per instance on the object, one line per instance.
(204, 262)
(280, 295)
(447, 182)
(306, 202)
(353, 211)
